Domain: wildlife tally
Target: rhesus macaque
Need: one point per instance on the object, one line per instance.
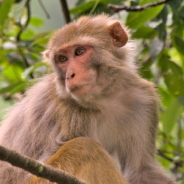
(94, 91)
(87, 161)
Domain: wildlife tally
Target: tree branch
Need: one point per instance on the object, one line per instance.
(37, 168)
(22, 28)
(117, 8)
(44, 9)
(177, 163)
(164, 156)
(65, 10)
(25, 60)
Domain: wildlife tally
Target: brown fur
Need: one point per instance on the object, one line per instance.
(87, 161)
(120, 112)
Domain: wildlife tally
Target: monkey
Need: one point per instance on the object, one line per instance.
(87, 161)
(94, 91)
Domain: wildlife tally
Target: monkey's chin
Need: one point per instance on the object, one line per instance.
(80, 90)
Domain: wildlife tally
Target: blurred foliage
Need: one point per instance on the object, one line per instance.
(20, 58)
(159, 34)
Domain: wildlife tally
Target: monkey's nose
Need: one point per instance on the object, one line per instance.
(71, 76)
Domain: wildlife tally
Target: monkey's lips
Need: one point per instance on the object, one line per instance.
(80, 89)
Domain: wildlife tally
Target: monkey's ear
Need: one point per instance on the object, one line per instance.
(118, 34)
(46, 53)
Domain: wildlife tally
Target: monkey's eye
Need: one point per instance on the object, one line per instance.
(79, 51)
(61, 58)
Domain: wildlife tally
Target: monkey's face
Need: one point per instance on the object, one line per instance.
(81, 53)
(73, 62)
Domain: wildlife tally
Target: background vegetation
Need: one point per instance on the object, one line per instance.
(159, 33)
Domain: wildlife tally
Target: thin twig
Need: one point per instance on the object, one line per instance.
(117, 8)
(25, 61)
(164, 156)
(65, 10)
(44, 9)
(37, 168)
(177, 163)
(22, 28)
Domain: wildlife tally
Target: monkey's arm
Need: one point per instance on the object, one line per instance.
(87, 161)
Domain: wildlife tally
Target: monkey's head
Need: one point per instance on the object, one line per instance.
(86, 56)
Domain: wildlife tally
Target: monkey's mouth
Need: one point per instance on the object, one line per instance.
(80, 89)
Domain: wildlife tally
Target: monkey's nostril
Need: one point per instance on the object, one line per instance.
(73, 75)
(70, 76)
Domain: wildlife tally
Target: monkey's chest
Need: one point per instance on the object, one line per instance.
(107, 130)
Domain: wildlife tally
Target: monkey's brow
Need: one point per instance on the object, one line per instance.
(63, 48)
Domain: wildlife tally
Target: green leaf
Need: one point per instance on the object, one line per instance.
(19, 88)
(179, 44)
(172, 114)
(161, 28)
(144, 32)
(145, 70)
(5, 9)
(38, 48)
(27, 34)
(8, 88)
(106, 2)
(36, 22)
(175, 5)
(42, 34)
(181, 12)
(137, 19)
(41, 41)
(166, 97)
(82, 8)
(30, 69)
(143, 2)
(13, 73)
(164, 162)
(172, 73)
